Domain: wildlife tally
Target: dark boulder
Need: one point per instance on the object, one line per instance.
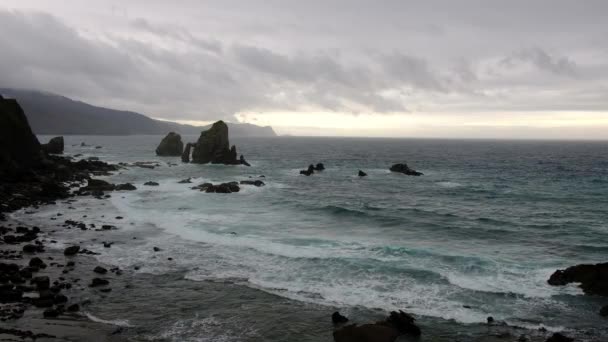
(151, 183)
(213, 146)
(171, 145)
(98, 185)
(319, 167)
(257, 182)
(593, 279)
(397, 324)
(403, 168)
(100, 270)
(98, 282)
(557, 337)
(185, 181)
(337, 318)
(54, 146)
(125, 187)
(37, 262)
(362, 174)
(41, 283)
(72, 250)
(308, 172)
(365, 333)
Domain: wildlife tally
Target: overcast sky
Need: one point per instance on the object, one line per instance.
(378, 68)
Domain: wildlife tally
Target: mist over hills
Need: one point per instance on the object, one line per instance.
(53, 114)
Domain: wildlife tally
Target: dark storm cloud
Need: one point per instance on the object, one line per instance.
(188, 60)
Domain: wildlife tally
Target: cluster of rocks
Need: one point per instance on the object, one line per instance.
(213, 146)
(98, 187)
(592, 279)
(312, 168)
(21, 288)
(226, 188)
(29, 175)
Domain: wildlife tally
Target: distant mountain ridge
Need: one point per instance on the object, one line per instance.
(54, 114)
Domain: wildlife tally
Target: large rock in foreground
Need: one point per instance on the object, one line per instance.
(54, 146)
(19, 147)
(593, 279)
(403, 168)
(213, 147)
(171, 145)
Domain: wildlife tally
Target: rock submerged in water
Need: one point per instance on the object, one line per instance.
(150, 183)
(593, 279)
(362, 174)
(403, 168)
(224, 188)
(308, 172)
(213, 147)
(170, 146)
(397, 324)
(54, 146)
(604, 311)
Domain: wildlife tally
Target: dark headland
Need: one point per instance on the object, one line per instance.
(45, 289)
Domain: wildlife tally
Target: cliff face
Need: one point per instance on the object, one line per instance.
(19, 147)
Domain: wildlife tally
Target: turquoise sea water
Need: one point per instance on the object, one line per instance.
(478, 235)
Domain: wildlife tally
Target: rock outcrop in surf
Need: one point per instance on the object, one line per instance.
(406, 170)
(54, 146)
(593, 279)
(213, 146)
(170, 146)
(397, 324)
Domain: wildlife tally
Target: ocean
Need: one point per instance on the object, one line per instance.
(478, 235)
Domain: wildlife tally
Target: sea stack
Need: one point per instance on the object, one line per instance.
(54, 146)
(213, 146)
(171, 145)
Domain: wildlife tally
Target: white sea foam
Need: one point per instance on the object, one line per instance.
(116, 322)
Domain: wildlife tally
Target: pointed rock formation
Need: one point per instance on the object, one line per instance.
(213, 147)
(19, 147)
(171, 145)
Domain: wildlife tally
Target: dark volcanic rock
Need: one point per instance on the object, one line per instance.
(557, 337)
(362, 174)
(397, 324)
(593, 279)
(72, 250)
(41, 283)
(100, 270)
(337, 318)
(403, 168)
(55, 146)
(151, 183)
(257, 182)
(213, 147)
(309, 171)
(98, 282)
(366, 333)
(171, 145)
(319, 167)
(19, 147)
(125, 187)
(604, 311)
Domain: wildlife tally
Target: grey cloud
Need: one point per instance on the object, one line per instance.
(542, 60)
